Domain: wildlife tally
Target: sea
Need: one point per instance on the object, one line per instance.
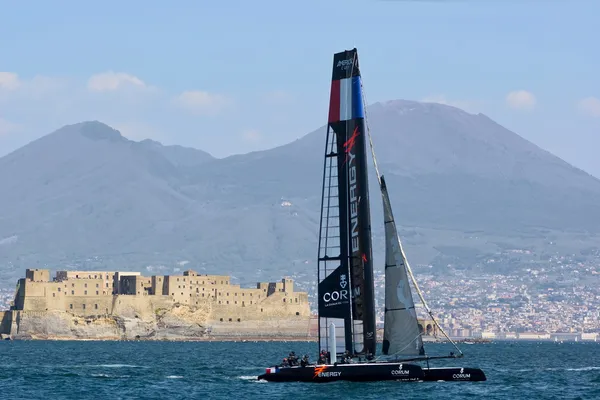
(81, 370)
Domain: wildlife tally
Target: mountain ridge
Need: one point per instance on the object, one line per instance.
(86, 191)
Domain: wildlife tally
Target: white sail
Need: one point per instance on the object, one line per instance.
(401, 334)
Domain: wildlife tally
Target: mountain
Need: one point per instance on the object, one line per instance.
(462, 186)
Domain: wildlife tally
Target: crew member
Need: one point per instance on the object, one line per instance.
(322, 357)
(304, 361)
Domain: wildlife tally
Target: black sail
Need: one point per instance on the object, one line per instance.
(346, 287)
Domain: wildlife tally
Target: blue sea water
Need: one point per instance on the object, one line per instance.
(228, 370)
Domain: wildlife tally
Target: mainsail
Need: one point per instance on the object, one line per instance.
(401, 335)
(345, 269)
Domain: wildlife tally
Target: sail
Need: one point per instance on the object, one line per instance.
(401, 335)
(345, 250)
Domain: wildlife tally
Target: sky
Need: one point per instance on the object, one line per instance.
(232, 76)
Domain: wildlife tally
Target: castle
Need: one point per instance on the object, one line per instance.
(100, 304)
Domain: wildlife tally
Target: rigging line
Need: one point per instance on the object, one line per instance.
(406, 264)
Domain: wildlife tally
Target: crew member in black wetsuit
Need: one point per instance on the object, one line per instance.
(322, 357)
(304, 361)
(346, 358)
(292, 359)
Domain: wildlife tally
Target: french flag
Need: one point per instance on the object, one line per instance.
(272, 370)
(346, 100)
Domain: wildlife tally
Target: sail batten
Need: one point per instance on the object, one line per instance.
(401, 334)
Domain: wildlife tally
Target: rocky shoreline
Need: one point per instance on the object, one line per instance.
(236, 339)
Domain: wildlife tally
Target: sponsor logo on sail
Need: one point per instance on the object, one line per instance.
(345, 64)
(343, 281)
(351, 160)
(336, 297)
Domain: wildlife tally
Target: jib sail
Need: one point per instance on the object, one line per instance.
(401, 335)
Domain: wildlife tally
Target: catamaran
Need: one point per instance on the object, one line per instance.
(346, 291)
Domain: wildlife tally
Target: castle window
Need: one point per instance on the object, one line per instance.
(250, 301)
(83, 305)
(96, 306)
(85, 292)
(219, 301)
(59, 289)
(182, 293)
(53, 294)
(261, 310)
(94, 276)
(76, 276)
(71, 306)
(203, 282)
(297, 313)
(236, 302)
(296, 299)
(177, 279)
(221, 319)
(197, 290)
(73, 292)
(284, 300)
(229, 319)
(239, 320)
(227, 301)
(97, 292)
(106, 284)
(235, 294)
(184, 286)
(97, 285)
(202, 294)
(227, 293)
(72, 285)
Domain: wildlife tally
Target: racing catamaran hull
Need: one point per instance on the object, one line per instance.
(454, 374)
(363, 372)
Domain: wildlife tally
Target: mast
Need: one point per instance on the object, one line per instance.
(345, 269)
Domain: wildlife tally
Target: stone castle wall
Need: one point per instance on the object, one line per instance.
(185, 307)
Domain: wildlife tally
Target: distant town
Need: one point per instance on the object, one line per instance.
(554, 299)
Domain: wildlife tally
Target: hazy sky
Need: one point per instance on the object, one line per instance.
(236, 76)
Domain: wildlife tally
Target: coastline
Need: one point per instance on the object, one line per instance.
(191, 339)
